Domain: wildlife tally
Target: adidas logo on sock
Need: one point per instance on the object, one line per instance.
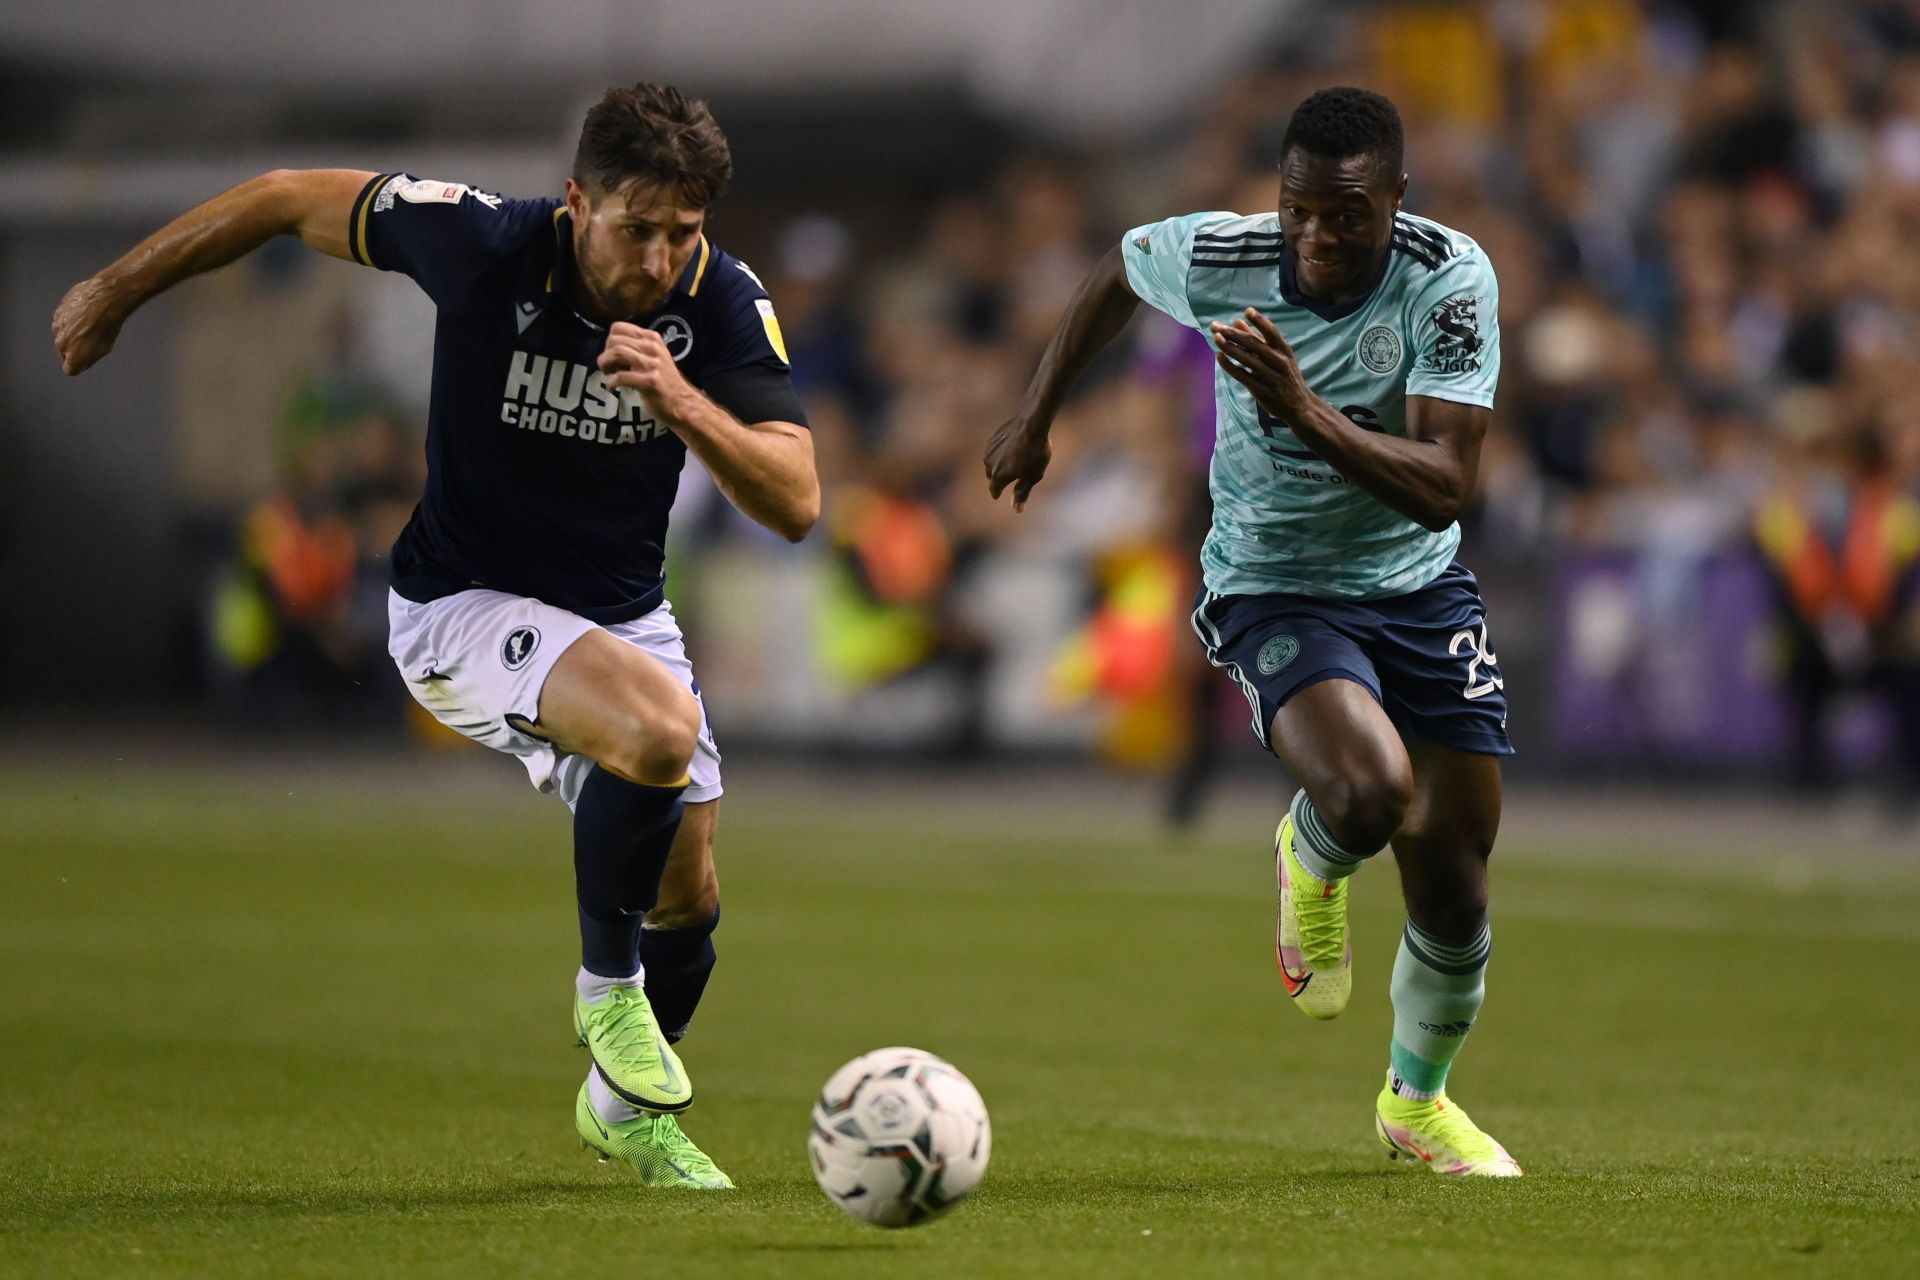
(1446, 1028)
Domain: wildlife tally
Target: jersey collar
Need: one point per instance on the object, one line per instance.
(562, 251)
(696, 270)
(1290, 293)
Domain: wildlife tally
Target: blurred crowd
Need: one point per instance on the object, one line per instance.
(295, 600)
(1701, 216)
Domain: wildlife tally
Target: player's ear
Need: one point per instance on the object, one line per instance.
(1400, 193)
(577, 202)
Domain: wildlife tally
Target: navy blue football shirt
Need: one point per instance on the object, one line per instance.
(543, 481)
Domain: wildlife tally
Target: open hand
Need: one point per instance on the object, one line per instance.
(1255, 355)
(1017, 455)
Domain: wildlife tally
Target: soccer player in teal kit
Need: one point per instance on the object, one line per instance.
(583, 348)
(1358, 349)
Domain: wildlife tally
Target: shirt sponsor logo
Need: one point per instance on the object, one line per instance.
(428, 191)
(1460, 345)
(1379, 349)
(572, 401)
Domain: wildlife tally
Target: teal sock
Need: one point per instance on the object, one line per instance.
(1323, 856)
(1438, 986)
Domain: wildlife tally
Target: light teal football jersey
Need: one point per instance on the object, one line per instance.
(1283, 520)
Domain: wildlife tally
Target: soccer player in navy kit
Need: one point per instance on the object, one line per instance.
(583, 348)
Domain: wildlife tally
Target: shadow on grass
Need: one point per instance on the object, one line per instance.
(1212, 1182)
(878, 1244)
(186, 1201)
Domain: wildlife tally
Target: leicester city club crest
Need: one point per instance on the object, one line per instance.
(1277, 653)
(1379, 349)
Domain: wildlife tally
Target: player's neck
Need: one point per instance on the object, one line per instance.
(584, 300)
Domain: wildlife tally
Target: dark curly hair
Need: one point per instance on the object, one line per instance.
(1345, 121)
(653, 133)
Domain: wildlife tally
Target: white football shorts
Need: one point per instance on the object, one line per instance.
(477, 657)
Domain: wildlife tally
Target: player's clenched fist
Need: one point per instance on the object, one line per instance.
(1017, 455)
(86, 323)
(638, 357)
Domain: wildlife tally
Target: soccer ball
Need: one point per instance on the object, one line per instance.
(899, 1137)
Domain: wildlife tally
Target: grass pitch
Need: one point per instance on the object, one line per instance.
(274, 1026)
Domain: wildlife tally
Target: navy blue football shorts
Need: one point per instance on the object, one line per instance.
(1423, 656)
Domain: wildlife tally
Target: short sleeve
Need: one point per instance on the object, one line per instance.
(1455, 325)
(445, 235)
(1159, 259)
(745, 367)
(745, 329)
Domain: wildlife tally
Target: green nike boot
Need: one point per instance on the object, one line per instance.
(652, 1144)
(632, 1055)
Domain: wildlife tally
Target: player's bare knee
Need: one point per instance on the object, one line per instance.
(655, 741)
(656, 754)
(1365, 809)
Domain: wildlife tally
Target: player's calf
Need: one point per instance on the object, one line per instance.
(677, 961)
(623, 834)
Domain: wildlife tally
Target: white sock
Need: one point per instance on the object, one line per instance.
(593, 988)
(608, 1105)
(1404, 1090)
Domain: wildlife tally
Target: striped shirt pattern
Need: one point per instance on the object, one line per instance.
(1284, 521)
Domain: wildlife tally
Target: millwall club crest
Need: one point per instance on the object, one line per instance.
(1379, 349)
(519, 646)
(677, 334)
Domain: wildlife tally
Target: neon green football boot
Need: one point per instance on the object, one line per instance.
(1311, 942)
(633, 1057)
(652, 1144)
(1441, 1135)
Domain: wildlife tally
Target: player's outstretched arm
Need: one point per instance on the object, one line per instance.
(1018, 453)
(1429, 476)
(314, 204)
(764, 468)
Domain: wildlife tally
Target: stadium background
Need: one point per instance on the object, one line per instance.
(1697, 530)
(1695, 516)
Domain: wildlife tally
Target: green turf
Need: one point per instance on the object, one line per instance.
(276, 1029)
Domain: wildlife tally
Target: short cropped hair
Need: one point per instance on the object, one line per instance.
(653, 134)
(1345, 121)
